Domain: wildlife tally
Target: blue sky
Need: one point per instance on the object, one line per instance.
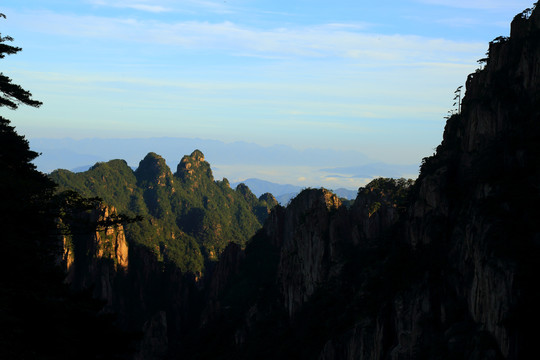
(374, 77)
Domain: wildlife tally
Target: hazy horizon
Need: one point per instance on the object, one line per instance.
(235, 161)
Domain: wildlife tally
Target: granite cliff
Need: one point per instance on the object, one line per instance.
(148, 296)
(93, 254)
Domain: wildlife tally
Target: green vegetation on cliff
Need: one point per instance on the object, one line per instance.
(188, 218)
(385, 191)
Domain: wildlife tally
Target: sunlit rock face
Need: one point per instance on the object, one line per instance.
(94, 254)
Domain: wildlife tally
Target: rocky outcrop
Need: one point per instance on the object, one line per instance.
(194, 168)
(155, 179)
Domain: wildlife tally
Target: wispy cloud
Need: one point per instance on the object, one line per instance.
(502, 5)
(160, 6)
(316, 41)
(131, 4)
(220, 7)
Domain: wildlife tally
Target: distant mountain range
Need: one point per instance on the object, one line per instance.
(71, 153)
(285, 192)
(236, 161)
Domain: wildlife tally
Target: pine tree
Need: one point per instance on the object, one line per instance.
(12, 95)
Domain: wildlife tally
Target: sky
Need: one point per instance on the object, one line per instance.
(377, 78)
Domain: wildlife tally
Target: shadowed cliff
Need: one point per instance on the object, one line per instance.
(445, 268)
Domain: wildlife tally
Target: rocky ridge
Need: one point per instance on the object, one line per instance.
(188, 217)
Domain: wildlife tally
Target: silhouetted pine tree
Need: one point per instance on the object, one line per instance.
(40, 318)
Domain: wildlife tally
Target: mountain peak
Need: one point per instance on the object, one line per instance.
(193, 167)
(244, 190)
(153, 168)
(197, 155)
(116, 163)
(314, 198)
(525, 23)
(269, 199)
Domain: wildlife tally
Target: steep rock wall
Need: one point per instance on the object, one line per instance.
(491, 153)
(472, 214)
(305, 233)
(147, 295)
